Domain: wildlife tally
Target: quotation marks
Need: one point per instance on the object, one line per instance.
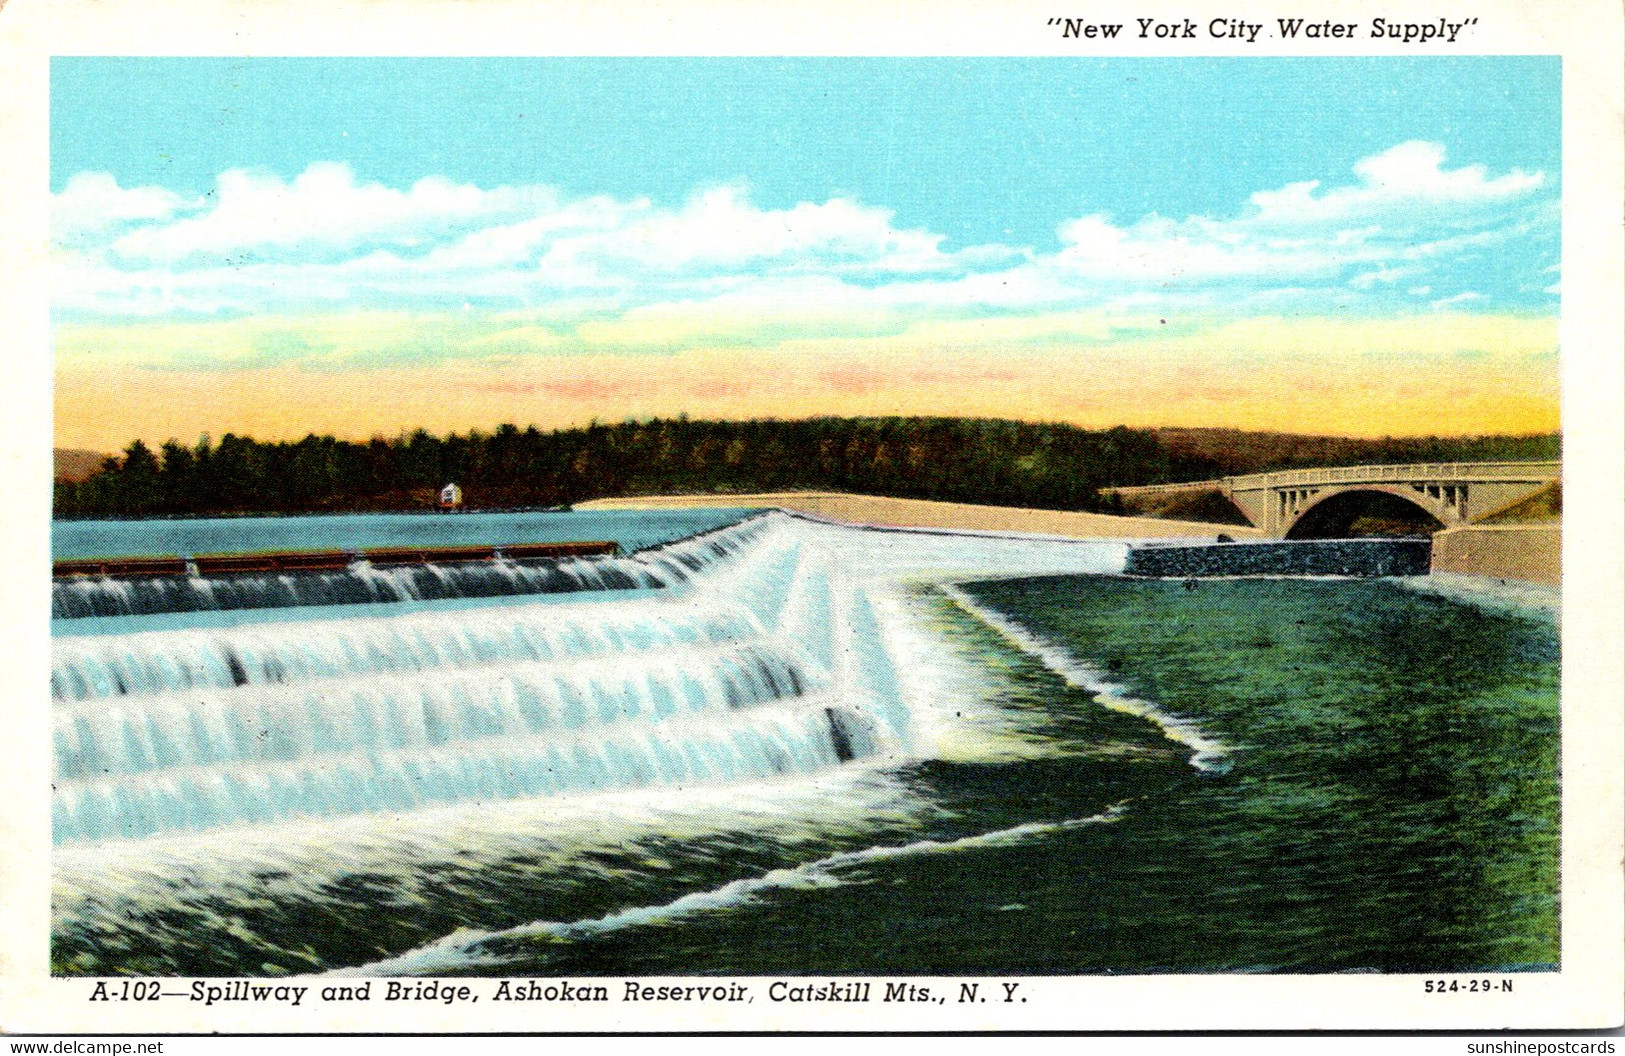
(1441, 31)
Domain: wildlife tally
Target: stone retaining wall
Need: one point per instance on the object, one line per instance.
(1320, 557)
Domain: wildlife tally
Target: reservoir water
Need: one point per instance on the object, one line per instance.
(756, 743)
(632, 529)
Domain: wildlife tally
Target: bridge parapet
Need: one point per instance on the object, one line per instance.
(1133, 490)
(1520, 472)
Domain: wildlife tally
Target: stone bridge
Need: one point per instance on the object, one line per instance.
(1301, 502)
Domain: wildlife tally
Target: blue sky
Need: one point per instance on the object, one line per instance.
(840, 220)
(982, 150)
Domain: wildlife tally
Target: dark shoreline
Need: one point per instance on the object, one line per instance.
(242, 515)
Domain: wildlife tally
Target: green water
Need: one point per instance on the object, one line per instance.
(631, 529)
(1391, 805)
(1393, 802)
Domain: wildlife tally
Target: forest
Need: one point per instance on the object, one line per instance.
(990, 461)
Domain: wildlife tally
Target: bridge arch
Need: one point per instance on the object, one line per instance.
(1334, 514)
(1275, 502)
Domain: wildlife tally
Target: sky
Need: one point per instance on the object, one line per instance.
(368, 246)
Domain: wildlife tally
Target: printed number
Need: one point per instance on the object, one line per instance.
(1467, 986)
(139, 990)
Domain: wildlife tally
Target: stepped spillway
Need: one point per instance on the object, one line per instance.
(758, 655)
(80, 596)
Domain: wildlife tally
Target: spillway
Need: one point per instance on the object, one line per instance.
(75, 597)
(758, 654)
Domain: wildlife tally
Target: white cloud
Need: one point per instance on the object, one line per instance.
(1406, 184)
(1157, 250)
(93, 202)
(518, 244)
(260, 244)
(324, 208)
(721, 233)
(1466, 297)
(1405, 206)
(1383, 274)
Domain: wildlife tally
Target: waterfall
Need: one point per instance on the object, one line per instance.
(761, 654)
(176, 731)
(94, 667)
(76, 597)
(313, 781)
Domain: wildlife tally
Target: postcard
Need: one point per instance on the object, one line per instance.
(685, 517)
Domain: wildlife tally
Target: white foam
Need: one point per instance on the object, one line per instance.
(461, 949)
(301, 860)
(1209, 755)
(1508, 596)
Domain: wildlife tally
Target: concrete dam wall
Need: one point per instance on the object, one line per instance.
(1532, 552)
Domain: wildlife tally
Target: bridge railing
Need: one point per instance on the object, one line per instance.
(1160, 489)
(1441, 471)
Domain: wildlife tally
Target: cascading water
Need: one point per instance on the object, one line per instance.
(91, 667)
(770, 653)
(806, 736)
(76, 597)
(775, 665)
(189, 730)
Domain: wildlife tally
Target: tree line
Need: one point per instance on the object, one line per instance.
(1237, 452)
(990, 461)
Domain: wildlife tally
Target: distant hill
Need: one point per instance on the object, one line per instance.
(1544, 505)
(1235, 452)
(73, 464)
